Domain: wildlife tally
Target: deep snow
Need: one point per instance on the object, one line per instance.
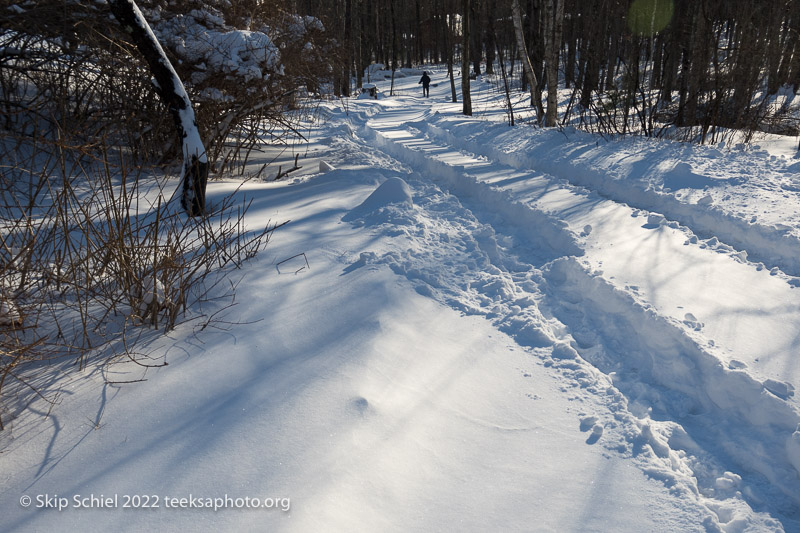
(497, 329)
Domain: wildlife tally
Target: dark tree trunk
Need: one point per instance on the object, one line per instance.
(448, 45)
(394, 38)
(530, 75)
(358, 47)
(348, 43)
(418, 33)
(475, 45)
(505, 85)
(491, 38)
(554, 17)
(569, 67)
(465, 30)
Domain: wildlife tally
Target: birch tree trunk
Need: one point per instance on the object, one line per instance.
(536, 92)
(554, 24)
(448, 45)
(171, 90)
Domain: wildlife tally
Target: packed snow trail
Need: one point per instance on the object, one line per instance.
(650, 180)
(752, 312)
(749, 317)
(670, 368)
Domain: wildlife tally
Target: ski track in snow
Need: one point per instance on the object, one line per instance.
(705, 429)
(774, 245)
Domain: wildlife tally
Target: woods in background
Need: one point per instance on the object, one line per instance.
(631, 66)
(688, 67)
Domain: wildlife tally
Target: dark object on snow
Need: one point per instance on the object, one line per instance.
(425, 80)
(370, 89)
(282, 174)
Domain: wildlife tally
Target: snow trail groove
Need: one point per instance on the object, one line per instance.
(756, 240)
(664, 263)
(661, 371)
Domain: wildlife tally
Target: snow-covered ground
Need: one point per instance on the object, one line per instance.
(465, 326)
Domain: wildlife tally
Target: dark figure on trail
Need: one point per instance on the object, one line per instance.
(425, 80)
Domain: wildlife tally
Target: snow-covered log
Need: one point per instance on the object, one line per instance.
(173, 93)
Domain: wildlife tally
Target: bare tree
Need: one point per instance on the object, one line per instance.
(536, 92)
(554, 23)
(465, 35)
(447, 28)
(171, 90)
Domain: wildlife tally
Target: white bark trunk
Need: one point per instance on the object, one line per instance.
(530, 75)
(171, 90)
(554, 17)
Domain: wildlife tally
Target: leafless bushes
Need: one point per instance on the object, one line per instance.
(61, 73)
(67, 65)
(92, 252)
(90, 248)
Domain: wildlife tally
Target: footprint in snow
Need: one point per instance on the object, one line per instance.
(587, 422)
(782, 389)
(364, 259)
(734, 364)
(690, 320)
(359, 405)
(590, 423)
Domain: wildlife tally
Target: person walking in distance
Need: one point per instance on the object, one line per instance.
(425, 80)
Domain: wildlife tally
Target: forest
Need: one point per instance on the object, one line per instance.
(631, 67)
(647, 67)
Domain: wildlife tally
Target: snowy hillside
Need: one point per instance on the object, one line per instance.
(464, 327)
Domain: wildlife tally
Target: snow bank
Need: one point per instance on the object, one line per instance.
(712, 194)
(378, 71)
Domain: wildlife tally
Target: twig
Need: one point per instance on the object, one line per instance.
(282, 174)
(278, 265)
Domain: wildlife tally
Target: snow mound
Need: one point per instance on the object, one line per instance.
(392, 193)
(682, 177)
